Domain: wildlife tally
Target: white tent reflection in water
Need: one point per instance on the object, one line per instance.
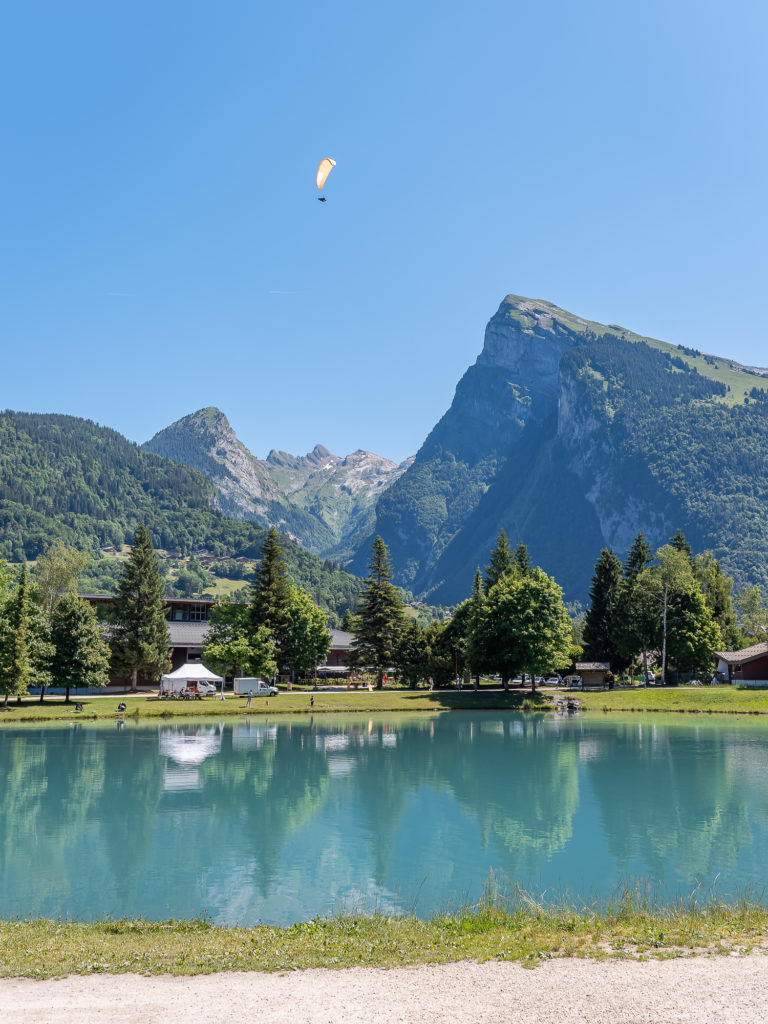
(187, 748)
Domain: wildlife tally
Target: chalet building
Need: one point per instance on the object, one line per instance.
(748, 667)
(594, 674)
(188, 626)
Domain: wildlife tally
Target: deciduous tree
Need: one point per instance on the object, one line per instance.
(527, 627)
(234, 647)
(80, 652)
(307, 640)
(57, 572)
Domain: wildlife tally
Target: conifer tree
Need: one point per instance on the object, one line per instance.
(81, 654)
(522, 560)
(271, 592)
(139, 634)
(599, 642)
(631, 624)
(638, 557)
(15, 659)
(381, 619)
(501, 561)
(474, 643)
(679, 543)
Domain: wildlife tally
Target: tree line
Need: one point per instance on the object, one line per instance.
(674, 605)
(514, 622)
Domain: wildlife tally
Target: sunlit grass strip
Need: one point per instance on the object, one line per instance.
(526, 931)
(703, 700)
(292, 703)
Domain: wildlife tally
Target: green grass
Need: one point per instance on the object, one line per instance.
(295, 702)
(694, 699)
(705, 699)
(521, 929)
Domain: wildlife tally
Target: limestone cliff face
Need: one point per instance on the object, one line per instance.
(599, 467)
(508, 397)
(513, 382)
(319, 498)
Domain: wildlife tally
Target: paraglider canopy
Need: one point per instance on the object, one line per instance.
(324, 170)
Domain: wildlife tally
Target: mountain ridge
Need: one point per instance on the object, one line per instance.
(323, 500)
(541, 440)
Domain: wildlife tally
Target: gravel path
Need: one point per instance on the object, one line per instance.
(702, 990)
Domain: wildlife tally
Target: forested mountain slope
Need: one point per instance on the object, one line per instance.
(65, 477)
(573, 435)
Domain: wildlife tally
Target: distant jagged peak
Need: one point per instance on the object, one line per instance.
(320, 456)
(209, 419)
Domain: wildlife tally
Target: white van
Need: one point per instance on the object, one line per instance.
(258, 687)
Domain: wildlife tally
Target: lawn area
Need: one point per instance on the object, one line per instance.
(145, 706)
(705, 699)
(526, 932)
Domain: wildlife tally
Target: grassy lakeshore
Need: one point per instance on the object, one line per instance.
(694, 700)
(529, 933)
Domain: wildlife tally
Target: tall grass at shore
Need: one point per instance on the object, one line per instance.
(519, 928)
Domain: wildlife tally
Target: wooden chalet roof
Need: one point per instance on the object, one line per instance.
(746, 654)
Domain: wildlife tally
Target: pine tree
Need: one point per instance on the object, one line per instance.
(139, 635)
(501, 561)
(522, 560)
(381, 619)
(599, 642)
(679, 543)
(81, 654)
(631, 619)
(474, 642)
(638, 557)
(15, 661)
(271, 593)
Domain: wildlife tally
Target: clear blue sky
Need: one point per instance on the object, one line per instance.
(162, 249)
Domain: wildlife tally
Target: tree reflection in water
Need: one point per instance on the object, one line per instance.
(283, 819)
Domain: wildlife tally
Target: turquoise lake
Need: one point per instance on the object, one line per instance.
(283, 820)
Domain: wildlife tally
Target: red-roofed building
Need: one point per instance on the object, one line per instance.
(748, 667)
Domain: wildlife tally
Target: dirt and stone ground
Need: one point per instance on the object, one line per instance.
(700, 990)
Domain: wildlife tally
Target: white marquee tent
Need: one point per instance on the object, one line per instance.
(189, 673)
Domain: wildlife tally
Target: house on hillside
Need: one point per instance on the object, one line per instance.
(748, 667)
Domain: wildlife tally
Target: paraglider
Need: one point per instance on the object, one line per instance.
(326, 165)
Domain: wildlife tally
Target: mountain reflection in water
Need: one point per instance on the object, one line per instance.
(284, 819)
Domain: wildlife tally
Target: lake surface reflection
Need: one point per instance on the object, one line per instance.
(279, 821)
